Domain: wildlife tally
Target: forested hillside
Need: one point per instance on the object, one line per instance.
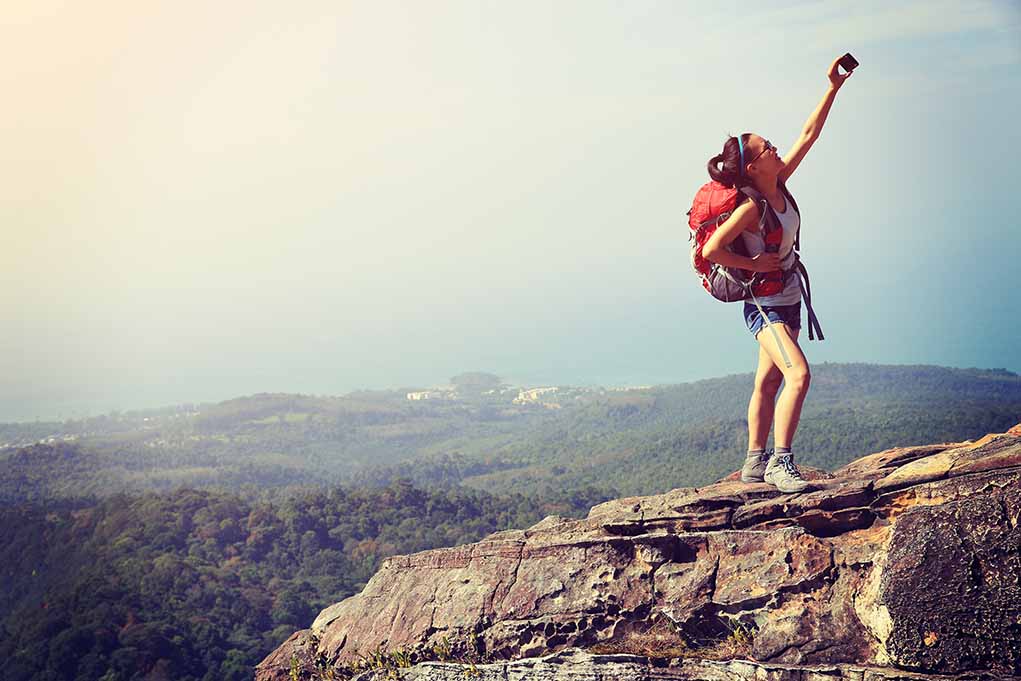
(203, 585)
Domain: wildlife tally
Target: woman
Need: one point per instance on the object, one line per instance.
(750, 160)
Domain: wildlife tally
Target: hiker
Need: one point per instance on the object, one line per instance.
(752, 161)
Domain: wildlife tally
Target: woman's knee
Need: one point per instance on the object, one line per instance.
(798, 378)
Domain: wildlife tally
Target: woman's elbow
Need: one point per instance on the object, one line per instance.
(709, 252)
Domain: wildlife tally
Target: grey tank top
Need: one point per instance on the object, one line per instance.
(755, 244)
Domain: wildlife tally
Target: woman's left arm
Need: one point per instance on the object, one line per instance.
(813, 126)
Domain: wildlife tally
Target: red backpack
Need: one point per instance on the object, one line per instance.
(713, 204)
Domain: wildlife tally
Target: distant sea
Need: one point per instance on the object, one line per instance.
(40, 408)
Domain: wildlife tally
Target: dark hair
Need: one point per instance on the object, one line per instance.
(725, 167)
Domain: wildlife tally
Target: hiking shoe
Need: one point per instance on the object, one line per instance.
(783, 474)
(755, 466)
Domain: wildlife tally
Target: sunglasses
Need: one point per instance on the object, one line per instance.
(766, 148)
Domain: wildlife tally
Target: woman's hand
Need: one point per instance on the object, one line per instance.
(765, 262)
(837, 79)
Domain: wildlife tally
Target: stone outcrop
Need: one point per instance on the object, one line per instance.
(575, 665)
(903, 564)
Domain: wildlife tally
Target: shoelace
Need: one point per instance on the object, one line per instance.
(788, 465)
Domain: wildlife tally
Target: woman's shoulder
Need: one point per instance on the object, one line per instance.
(749, 214)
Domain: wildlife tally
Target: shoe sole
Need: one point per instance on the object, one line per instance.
(789, 490)
(744, 479)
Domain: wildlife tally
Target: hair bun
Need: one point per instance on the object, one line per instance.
(718, 171)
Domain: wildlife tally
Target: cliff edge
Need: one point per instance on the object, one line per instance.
(902, 564)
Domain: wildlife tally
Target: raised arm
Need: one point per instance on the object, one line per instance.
(813, 126)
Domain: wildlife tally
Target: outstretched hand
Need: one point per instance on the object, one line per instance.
(837, 79)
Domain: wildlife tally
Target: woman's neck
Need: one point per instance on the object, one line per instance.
(767, 186)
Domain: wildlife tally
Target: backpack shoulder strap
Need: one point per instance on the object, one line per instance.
(765, 223)
(751, 192)
(787, 193)
(797, 237)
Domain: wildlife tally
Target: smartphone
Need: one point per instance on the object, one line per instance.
(848, 62)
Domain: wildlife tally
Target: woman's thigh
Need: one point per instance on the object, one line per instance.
(769, 352)
(768, 374)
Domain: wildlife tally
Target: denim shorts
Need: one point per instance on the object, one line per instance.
(782, 314)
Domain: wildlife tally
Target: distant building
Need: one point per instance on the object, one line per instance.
(533, 395)
(432, 395)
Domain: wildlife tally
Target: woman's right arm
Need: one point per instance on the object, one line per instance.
(741, 219)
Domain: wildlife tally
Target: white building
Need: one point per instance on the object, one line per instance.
(533, 395)
(432, 395)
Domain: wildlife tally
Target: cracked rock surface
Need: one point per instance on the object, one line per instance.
(575, 665)
(906, 563)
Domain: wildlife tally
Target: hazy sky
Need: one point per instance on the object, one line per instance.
(203, 200)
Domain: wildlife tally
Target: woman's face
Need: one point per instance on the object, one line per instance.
(763, 156)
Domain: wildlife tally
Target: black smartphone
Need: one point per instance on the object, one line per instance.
(848, 62)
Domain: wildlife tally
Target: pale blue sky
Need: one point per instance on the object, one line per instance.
(203, 200)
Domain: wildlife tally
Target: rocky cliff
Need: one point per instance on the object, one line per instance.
(902, 564)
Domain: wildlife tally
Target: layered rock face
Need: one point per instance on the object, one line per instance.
(906, 562)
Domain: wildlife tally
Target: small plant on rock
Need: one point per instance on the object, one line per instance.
(441, 649)
(737, 642)
(467, 650)
(658, 639)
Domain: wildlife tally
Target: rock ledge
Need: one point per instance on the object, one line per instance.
(903, 562)
(577, 665)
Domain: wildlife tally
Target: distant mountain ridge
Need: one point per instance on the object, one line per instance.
(624, 441)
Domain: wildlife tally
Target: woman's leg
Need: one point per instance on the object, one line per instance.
(760, 409)
(796, 381)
